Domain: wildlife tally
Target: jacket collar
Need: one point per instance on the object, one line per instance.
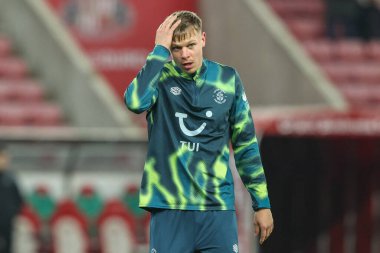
(199, 74)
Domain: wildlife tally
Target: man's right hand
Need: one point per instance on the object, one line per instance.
(164, 33)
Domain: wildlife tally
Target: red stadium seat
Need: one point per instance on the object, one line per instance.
(5, 46)
(28, 93)
(116, 229)
(350, 50)
(7, 93)
(366, 72)
(23, 93)
(38, 114)
(362, 94)
(13, 67)
(372, 50)
(320, 50)
(298, 8)
(69, 229)
(45, 115)
(13, 115)
(22, 104)
(306, 28)
(27, 226)
(338, 73)
(359, 72)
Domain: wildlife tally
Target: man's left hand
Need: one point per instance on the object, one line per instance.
(263, 222)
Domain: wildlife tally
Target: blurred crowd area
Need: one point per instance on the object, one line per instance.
(353, 19)
(84, 223)
(343, 39)
(333, 19)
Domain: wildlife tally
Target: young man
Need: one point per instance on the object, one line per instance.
(194, 108)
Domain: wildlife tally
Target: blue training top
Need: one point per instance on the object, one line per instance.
(190, 122)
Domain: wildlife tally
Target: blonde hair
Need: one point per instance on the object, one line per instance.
(190, 23)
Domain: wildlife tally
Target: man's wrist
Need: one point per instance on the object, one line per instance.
(161, 50)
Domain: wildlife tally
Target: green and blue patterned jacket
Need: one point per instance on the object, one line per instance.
(191, 121)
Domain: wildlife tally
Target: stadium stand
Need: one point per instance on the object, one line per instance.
(351, 64)
(23, 100)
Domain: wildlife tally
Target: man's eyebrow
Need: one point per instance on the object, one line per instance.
(187, 43)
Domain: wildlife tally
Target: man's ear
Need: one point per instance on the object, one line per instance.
(203, 39)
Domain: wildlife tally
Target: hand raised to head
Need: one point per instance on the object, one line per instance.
(164, 33)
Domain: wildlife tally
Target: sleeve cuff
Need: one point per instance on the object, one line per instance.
(265, 204)
(161, 51)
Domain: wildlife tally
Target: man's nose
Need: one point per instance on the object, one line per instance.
(185, 52)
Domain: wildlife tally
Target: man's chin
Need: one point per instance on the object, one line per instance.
(189, 71)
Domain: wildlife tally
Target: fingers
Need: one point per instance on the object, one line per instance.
(265, 232)
(164, 33)
(263, 221)
(257, 229)
(175, 25)
(168, 23)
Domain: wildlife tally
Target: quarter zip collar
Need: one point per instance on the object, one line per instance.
(199, 74)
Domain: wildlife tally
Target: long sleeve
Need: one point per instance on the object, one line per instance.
(142, 92)
(246, 149)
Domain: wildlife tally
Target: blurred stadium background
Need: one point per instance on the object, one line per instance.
(77, 153)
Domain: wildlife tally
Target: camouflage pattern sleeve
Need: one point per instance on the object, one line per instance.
(142, 92)
(246, 149)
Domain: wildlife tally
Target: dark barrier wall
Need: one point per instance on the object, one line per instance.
(325, 194)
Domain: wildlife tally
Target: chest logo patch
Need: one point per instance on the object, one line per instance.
(219, 96)
(182, 116)
(176, 91)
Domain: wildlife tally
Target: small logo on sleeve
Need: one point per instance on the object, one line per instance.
(245, 100)
(244, 97)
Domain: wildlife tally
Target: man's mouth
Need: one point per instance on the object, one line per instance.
(187, 65)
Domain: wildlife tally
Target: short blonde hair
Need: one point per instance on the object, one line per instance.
(189, 20)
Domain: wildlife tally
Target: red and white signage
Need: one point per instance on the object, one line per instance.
(117, 34)
(322, 123)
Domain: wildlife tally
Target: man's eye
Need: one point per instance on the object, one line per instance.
(191, 45)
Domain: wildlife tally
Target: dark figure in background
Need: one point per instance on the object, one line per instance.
(341, 18)
(11, 202)
(369, 19)
(375, 24)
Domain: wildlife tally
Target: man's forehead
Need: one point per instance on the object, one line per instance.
(186, 36)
